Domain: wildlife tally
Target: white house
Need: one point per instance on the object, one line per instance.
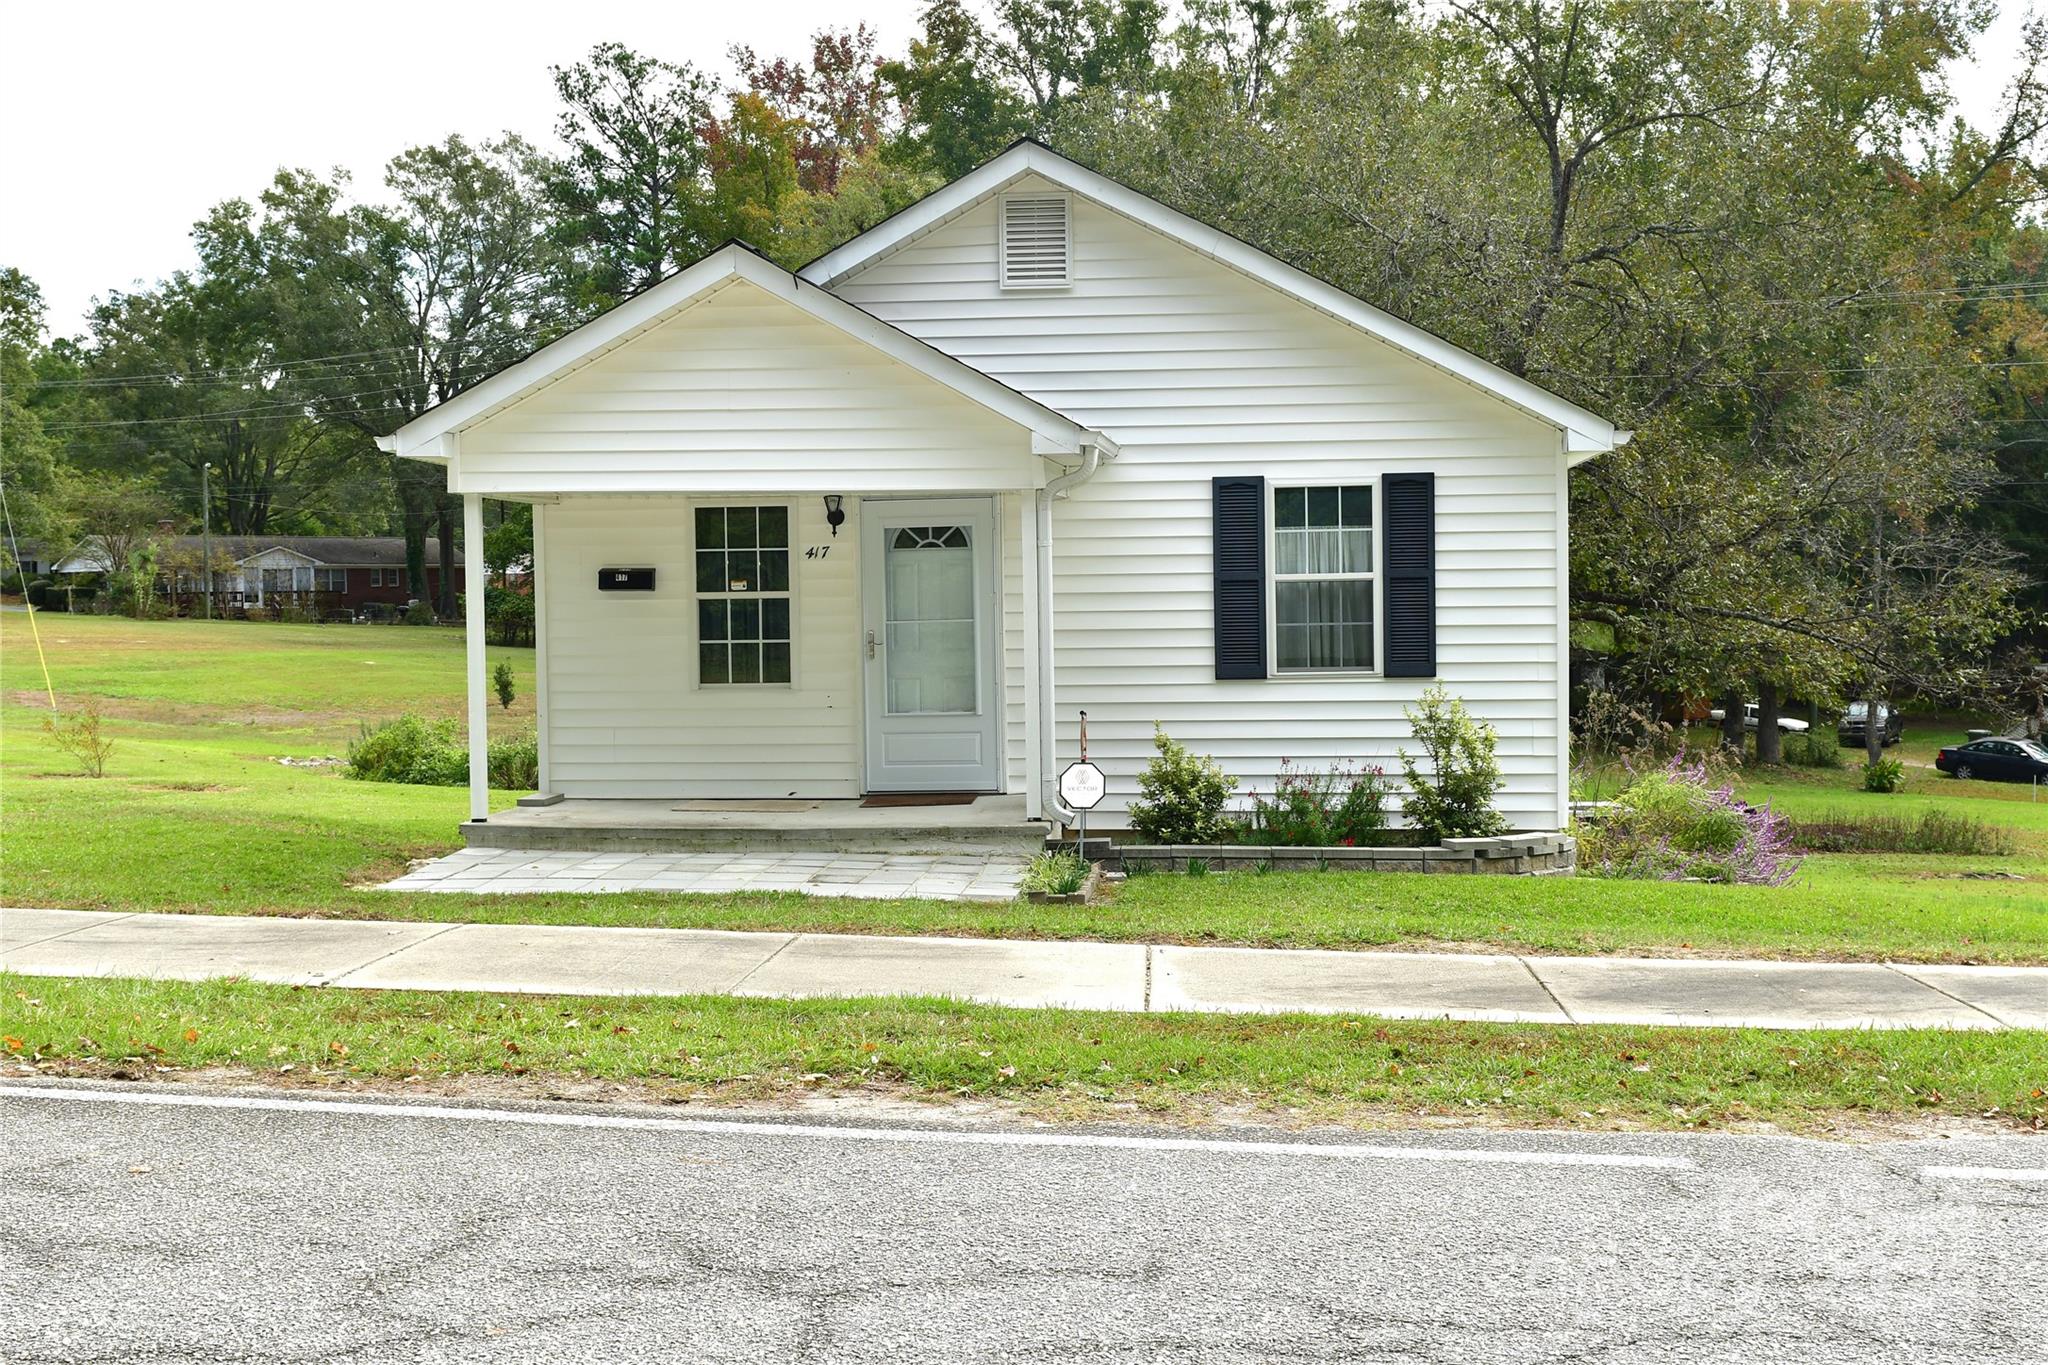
(1034, 446)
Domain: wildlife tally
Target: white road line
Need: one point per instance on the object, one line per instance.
(742, 1128)
(2022, 1173)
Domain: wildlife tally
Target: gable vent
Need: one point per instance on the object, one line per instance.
(1037, 241)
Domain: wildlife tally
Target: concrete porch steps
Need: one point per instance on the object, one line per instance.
(992, 824)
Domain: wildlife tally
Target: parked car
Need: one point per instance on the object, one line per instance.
(1850, 730)
(1786, 724)
(1996, 760)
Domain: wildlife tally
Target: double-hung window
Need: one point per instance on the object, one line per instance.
(330, 580)
(1323, 572)
(743, 607)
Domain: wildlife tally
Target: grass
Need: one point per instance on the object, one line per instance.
(1061, 1063)
(197, 814)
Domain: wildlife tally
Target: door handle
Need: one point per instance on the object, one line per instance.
(871, 644)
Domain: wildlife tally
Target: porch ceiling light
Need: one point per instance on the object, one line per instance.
(835, 515)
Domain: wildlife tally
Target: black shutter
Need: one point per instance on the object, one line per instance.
(1240, 551)
(1408, 573)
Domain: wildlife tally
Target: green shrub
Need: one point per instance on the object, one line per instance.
(1182, 796)
(515, 763)
(508, 616)
(430, 753)
(1340, 806)
(1936, 831)
(1682, 823)
(501, 683)
(39, 592)
(1811, 750)
(1056, 874)
(1455, 800)
(411, 750)
(419, 614)
(1885, 775)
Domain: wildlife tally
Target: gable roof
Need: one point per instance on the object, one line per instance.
(424, 436)
(1585, 433)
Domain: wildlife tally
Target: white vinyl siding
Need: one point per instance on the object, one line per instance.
(744, 393)
(623, 718)
(1198, 371)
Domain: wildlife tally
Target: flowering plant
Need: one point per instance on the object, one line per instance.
(1338, 806)
(1680, 823)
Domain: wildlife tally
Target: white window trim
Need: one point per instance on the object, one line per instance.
(690, 506)
(1003, 281)
(1273, 578)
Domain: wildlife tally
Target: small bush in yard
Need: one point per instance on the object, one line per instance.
(501, 683)
(1679, 823)
(1455, 799)
(515, 763)
(411, 750)
(1886, 775)
(1809, 750)
(1056, 874)
(1341, 806)
(430, 753)
(81, 737)
(1182, 796)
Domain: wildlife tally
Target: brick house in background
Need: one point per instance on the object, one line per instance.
(324, 574)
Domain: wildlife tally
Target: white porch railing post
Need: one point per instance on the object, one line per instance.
(473, 572)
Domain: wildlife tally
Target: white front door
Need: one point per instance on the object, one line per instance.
(932, 609)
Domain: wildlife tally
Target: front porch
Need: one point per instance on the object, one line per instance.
(986, 825)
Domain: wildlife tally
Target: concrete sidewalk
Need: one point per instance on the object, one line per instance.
(1031, 973)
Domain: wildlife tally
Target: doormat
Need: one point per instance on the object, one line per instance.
(763, 807)
(920, 799)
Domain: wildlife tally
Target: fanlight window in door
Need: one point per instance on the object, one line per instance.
(929, 659)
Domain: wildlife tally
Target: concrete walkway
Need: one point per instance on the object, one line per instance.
(952, 874)
(1109, 976)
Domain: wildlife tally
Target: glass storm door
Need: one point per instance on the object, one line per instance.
(931, 619)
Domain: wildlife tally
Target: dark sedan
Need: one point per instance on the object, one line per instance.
(1997, 760)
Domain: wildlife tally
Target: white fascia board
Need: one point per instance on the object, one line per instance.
(1585, 430)
(431, 436)
(299, 555)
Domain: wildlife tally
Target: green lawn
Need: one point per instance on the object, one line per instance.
(1065, 1064)
(196, 814)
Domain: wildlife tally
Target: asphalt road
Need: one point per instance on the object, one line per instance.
(366, 1232)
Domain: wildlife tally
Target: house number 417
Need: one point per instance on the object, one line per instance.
(817, 552)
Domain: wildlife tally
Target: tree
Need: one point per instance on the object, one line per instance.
(29, 472)
(192, 376)
(120, 521)
(957, 113)
(837, 98)
(437, 289)
(622, 199)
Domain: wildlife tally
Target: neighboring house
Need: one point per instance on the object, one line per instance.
(27, 558)
(1035, 445)
(338, 573)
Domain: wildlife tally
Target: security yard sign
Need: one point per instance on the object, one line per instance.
(1082, 785)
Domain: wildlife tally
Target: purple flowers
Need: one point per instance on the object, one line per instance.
(1680, 823)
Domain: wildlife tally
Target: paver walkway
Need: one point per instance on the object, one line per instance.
(1112, 976)
(965, 874)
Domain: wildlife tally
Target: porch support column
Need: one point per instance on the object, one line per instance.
(473, 571)
(1035, 747)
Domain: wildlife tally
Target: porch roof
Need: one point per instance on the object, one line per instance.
(433, 435)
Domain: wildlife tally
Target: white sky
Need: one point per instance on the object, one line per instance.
(123, 122)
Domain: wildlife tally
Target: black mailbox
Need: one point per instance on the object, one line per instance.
(625, 580)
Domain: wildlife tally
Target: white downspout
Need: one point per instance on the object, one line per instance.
(1091, 461)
